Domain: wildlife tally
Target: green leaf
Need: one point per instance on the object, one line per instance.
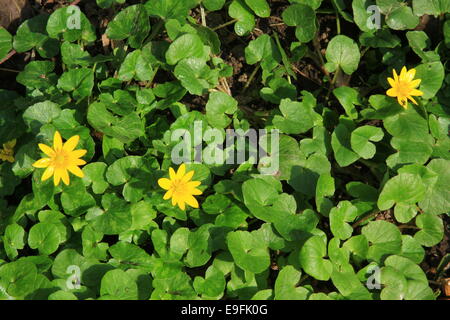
(40, 114)
(432, 229)
(360, 140)
(219, 104)
(126, 129)
(33, 34)
(432, 75)
(37, 74)
(5, 42)
(303, 18)
(71, 24)
(130, 23)
(135, 173)
(94, 173)
(412, 249)
(136, 65)
(242, 13)
(341, 144)
(195, 75)
(402, 18)
(116, 216)
(78, 81)
(431, 7)
(170, 9)
(18, 278)
(312, 259)
(298, 117)
(75, 199)
(339, 216)
(437, 196)
(260, 7)
(13, 239)
(118, 285)
(186, 46)
(384, 238)
(199, 244)
(45, 237)
(126, 254)
(343, 53)
(348, 98)
(247, 253)
(213, 285)
(404, 188)
(286, 285)
(74, 55)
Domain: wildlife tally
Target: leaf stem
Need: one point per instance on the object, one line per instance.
(224, 24)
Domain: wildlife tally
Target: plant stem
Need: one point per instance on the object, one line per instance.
(369, 216)
(224, 25)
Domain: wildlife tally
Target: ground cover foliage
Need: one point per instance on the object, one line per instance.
(358, 208)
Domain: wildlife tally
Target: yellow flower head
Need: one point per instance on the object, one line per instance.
(404, 87)
(60, 159)
(7, 153)
(180, 187)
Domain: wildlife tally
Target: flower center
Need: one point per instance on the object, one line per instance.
(178, 186)
(403, 88)
(59, 159)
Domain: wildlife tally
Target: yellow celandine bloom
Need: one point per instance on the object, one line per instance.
(404, 87)
(7, 153)
(180, 187)
(61, 159)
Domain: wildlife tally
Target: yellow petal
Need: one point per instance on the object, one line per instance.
(188, 176)
(172, 174)
(415, 92)
(76, 171)
(57, 141)
(47, 173)
(71, 143)
(395, 75)
(181, 205)
(174, 200)
(193, 184)
(190, 200)
(165, 183)
(65, 177)
(195, 192)
(77, 153)
(46, 149)
(392, 92)
(412, 99)
(78, 162)
(57, 176)
(168, 195)
(411, 74)
(391, 82)
(415, 83)
(403, 102)
(181, 171)
(42, 163)
(403, 74)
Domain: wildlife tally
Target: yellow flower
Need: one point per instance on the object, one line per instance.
(60, 159)
(7, 153)
(180, 187)
(404, 87)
